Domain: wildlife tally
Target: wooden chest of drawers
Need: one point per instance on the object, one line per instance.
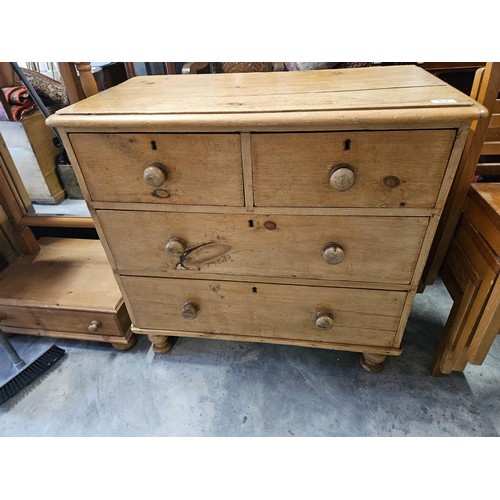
(293, 208)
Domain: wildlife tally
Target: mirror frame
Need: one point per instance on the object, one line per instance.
(18, 203)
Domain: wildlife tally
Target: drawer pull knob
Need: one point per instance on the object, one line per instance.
(342, 177)
(333, 253)
(190, 310)
(94, 326)
(155, 175)
(176, 246)
(324, 320)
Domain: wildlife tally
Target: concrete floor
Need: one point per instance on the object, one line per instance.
(216, 388)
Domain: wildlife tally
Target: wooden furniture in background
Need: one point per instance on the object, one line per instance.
(485, 91)
(78, 80)
(471, 274)
(15, 202)
(294, 208)
(66, 290)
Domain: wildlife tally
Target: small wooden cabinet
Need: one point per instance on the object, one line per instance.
(293, 208)
(66, 290)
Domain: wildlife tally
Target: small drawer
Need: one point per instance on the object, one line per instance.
(335, 315)
(350, 169)
(353, 248)
(190, 169)
(59, 320)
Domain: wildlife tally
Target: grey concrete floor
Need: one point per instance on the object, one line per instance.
(217, 388)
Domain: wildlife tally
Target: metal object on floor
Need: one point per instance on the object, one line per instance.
(26, 372)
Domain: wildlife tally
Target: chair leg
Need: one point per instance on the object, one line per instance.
(452, 331)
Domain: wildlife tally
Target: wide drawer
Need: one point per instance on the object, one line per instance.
(388, 168)
(341, 315)
(61, 320)
(192, 169)
(378, 249)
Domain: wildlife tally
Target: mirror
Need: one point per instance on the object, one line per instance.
(40, 172)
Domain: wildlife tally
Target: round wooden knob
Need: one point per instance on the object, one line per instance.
(155, 175)
(176, 246)
(190, 310)
(342, 177)
(324, 320)
(94, 326)
(333, 254)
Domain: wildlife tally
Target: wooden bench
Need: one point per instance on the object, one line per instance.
(470, 272)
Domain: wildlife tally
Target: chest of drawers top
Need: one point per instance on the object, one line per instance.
(364, 98)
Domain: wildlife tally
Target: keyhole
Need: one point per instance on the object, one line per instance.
(347, 144)
(154, 147)
(250, 223)
(254, 289)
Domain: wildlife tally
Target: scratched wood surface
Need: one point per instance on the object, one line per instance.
(294, 91)
(294, 169)
(359, 316)
(379, 249)
(203, 169)
(66, 273)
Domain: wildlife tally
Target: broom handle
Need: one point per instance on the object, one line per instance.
(33, 94)
(11, 352)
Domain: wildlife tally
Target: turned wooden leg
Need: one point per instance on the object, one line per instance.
(125, 347)
(161, 344)
(372, 363)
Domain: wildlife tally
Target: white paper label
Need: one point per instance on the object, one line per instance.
(443, 101)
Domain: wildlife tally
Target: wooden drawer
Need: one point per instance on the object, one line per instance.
(389, 168)
(362, 317)
(379, 249)
(200, 169)
(64, 321)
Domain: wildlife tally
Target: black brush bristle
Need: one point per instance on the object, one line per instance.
(30, 373)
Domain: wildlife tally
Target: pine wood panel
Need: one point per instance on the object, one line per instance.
(488, 327)
(286, 121)
(487, 196)
(483, 210)
(312, 90)
(493, 134)
(367, 317)
(203, 169)
(66, 273)
(390, 351)
(491, 148)
(58, 319)
(378, 249)
(294, 169)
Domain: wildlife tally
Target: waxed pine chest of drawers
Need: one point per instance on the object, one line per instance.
(294, 208)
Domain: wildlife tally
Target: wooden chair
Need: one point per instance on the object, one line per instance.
(78, 80)
(470, 272)
(467, 245)
(480, 141)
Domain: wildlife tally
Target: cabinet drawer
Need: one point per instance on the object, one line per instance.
(60, 320)
(378, 249)
(389, 168)
(346, 316)
(192, 169)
